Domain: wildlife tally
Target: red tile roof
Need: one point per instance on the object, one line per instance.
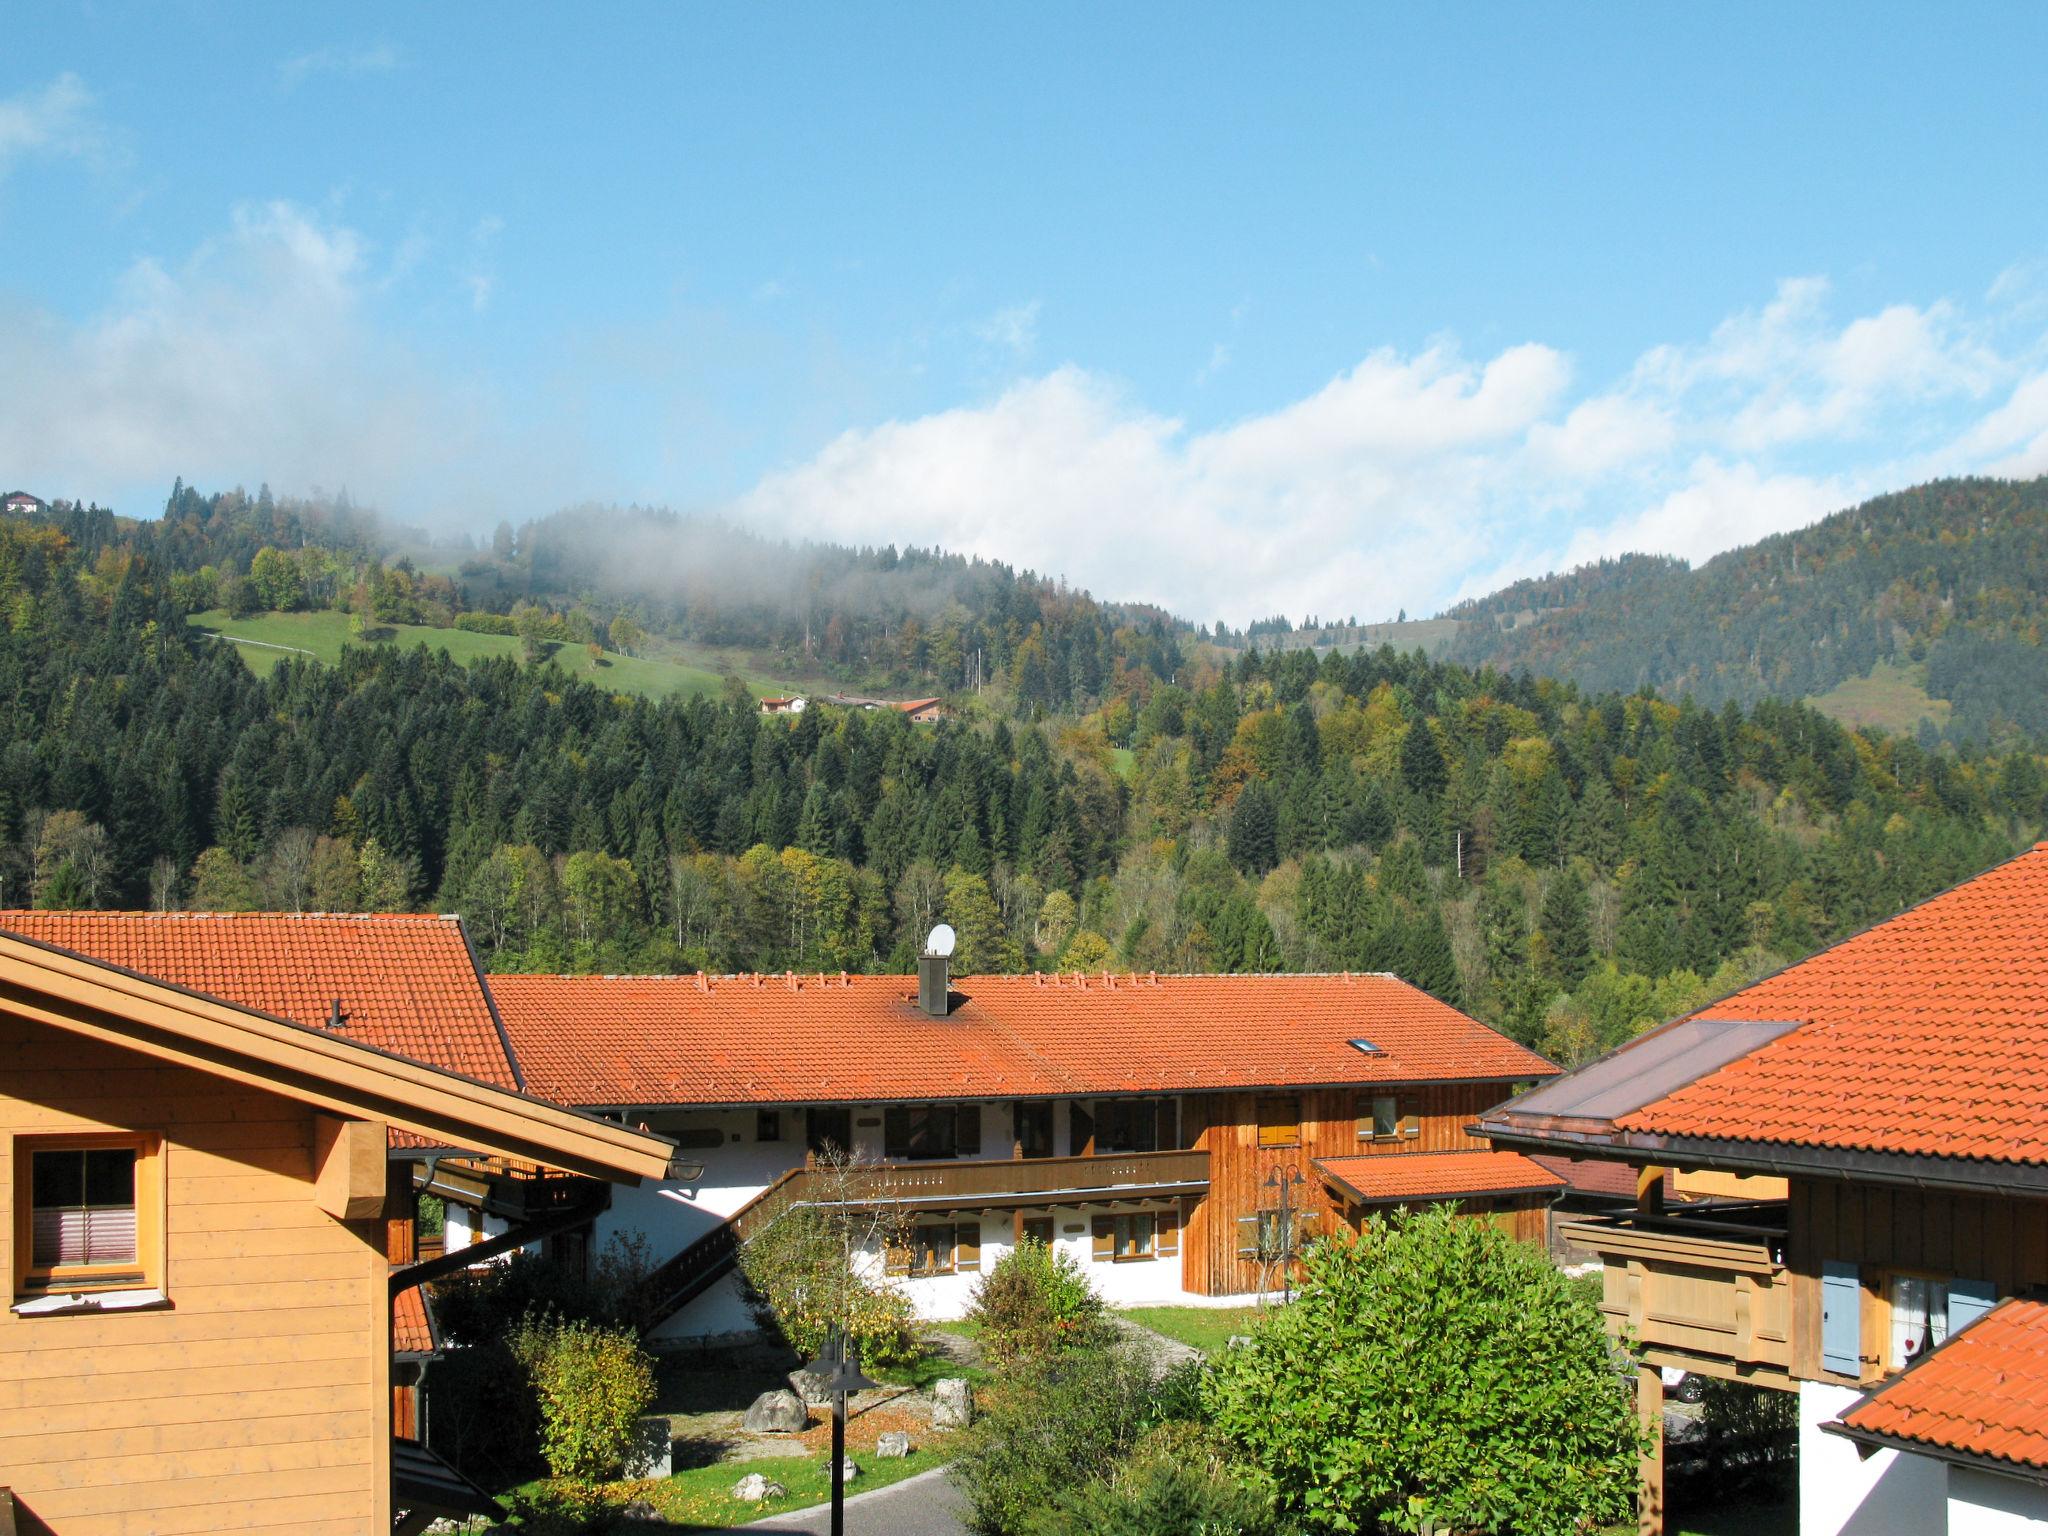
(411, 1332)
(1591, 1175)
(1983, 1393)
(1395, 1177)
(1927, 1034)
(602, 1040)
(407, 984)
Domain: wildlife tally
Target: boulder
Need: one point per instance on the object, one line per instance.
(651, 1452)
(640, 1509)
(756, 1489)
(810, 1386)
(852, 1470)
(1238, 1341)
(777, 1413)
(952, 1403)
(893, 1443)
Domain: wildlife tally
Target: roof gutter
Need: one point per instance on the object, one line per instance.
(1946, 1175)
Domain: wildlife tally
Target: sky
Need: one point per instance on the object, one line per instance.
(1312, 310)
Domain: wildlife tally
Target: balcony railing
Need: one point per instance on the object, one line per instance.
(1704, 1288)
(1016, 1181)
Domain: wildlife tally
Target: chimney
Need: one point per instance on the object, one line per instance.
(935, 984)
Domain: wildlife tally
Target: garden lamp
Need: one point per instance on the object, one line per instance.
(842, 1377)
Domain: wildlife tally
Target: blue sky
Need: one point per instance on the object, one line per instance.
(1240, 309)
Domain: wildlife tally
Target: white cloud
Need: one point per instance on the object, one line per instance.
(374, 59)
(256, 358)
(55, 119)
(1414, 478)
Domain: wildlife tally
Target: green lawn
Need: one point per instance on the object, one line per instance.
(1205, 1328)
(265, 639)
(1892, 698)
(701, 1497)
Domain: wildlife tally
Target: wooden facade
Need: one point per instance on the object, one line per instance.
(1327, 1124)
(257, 1399)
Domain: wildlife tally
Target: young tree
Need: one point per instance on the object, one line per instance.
(1255, 829)
(220, 884)
(1434, 1368)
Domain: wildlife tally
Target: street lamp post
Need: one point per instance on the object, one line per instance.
(1286, 1181)
(842, 1376)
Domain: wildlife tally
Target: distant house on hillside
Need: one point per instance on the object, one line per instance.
(923, 711)
(782, 706)
(22, 502)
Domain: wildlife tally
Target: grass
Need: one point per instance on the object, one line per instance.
(265, 639)
(1205, 1328)
(700, 1498)
(1893, 698)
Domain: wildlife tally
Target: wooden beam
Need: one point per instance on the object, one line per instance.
(1650, 1411)
(349, 1163)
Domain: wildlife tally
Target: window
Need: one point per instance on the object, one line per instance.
(1279, 1120)
(1132, 1125)
(88, 1214)
(1266, 1236)
(938, 1250)
(1919, 1311)
(920, 1131)
(768, 1125)
(1137, 1236)
(1379, 1117)
(1034, 1129)
(1036, 1229)
(829, 1130)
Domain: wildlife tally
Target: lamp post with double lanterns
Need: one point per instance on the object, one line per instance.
(842, 1374)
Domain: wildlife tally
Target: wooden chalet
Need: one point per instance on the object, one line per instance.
(210, 1134)
(1867, 1132)
(1180, 1136)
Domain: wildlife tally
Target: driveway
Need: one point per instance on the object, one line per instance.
(925, 1505)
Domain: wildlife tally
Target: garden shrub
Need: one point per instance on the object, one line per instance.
(1050, 1423)
(802, 1283)
(1749, 1436)
(592, 1384)
(1036, 1300)
(1434, 1369)
(1178, 1481)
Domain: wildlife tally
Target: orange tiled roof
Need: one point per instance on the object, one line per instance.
(605, 1040)
(1391, 1177)
(407, 984)
(411, 1333)
(1927, 1034)
(1983, 1393)
(1591, 1176)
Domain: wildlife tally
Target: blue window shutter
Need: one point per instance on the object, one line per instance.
(1968, 1300)
(1841, 1318)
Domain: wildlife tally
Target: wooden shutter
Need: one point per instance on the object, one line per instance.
(1279, 1120)
(1968, 1300)
(1166, 1238)
(967, 1131)
(1411, 1125)
(1841, 1318)
(1248, 1237)
(967, 1247)
(1080, 1131)
(1105, 1239)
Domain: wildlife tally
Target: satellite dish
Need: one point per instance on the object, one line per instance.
(941, 942)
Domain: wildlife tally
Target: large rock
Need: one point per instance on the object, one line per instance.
(652, 1449)
(640, 1509)
(756, 1489)
(852, 1470)
(892, 1443)
(777, 1413)
(952, 1403)
(810, 1386)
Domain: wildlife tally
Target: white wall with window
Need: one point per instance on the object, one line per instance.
(1991, 1504)
(1843, 1494)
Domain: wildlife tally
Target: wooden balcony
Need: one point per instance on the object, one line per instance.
(1029, 1181)
(1705, 1289)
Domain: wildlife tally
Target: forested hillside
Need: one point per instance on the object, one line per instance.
(1565, 864)
(1948, 583)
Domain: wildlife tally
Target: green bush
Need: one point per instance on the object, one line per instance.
(486, 623)
(1749, 1436)
(1434, 1369)
(1178, 1482)
(1036, 1300)
(1049, 1424)
(593, 1384)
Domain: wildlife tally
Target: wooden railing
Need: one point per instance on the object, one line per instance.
(1707, 1290)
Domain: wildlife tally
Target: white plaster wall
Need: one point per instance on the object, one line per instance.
(1842, 1494)
(1986, 1504)
(459, 1227)
(721, 1312)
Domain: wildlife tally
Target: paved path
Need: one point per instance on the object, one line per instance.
(925, 1505)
